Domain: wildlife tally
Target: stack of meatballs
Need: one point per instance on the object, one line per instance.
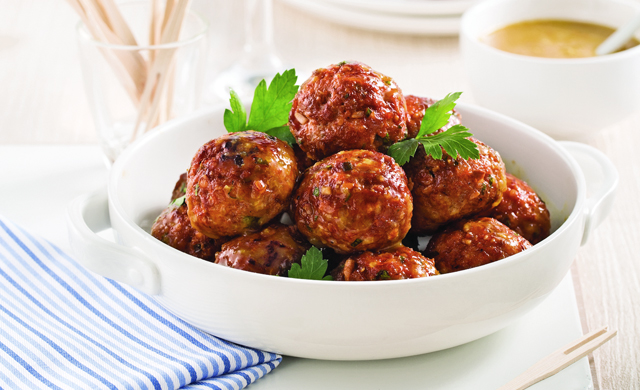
(336, 189)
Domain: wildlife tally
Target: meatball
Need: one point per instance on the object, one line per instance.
(473, 243)
(398, 263)
(523, 211)
(271, 251)
(416, 106)
(302, 159)
(180, 189)
(353, 201)
(347, 106)
(239, 182)
(450, 189)
(173, 227)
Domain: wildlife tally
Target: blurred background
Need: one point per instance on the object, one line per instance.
(39, 62)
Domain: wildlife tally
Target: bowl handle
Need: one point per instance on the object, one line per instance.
(601, 177)
(89, 214)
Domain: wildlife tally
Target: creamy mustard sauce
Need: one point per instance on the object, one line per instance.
(552, 38)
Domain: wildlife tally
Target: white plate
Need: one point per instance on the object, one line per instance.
(409, 7)
(403, 24)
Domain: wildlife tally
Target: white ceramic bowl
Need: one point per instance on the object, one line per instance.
(566, 98)
(328, 319)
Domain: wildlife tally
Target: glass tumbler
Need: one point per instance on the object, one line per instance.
(116, 94)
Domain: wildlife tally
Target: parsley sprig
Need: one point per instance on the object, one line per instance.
(269, 110)
(312, 266)
(454, 140)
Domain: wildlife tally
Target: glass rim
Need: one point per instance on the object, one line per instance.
(84, 34)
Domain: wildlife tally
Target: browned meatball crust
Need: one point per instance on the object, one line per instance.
(347, 106)
(450, 189)
(302, 159)
(239, 182)
(523, 211)
(271, 251)
(173, 227)
(180, 189)
(416, 106)
(473, 243)
(397, 263)
(353, 201)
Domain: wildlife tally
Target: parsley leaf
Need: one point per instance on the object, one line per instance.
(282, 133)
(235, 120)
(438, 114)
(454, 140)
(269, 110)
(271, 106)
(404, 150)
(312, 266)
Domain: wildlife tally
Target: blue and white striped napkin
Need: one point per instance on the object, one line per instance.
(62, 327)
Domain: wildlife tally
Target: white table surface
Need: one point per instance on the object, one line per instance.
(39, 181)
(42, 101)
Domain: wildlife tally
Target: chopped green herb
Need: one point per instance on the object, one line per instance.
(196, 189)
(367, 112)
(357, 242)
(383, 275)
(179, 201)
(251, 222)
(316, 191)
(183, 188)
(312, 266)
(348, 197)
(490, 179)
(261, 161)
(387, 81)
(346, 96)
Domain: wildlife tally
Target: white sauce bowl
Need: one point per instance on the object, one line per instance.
(565, 98)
